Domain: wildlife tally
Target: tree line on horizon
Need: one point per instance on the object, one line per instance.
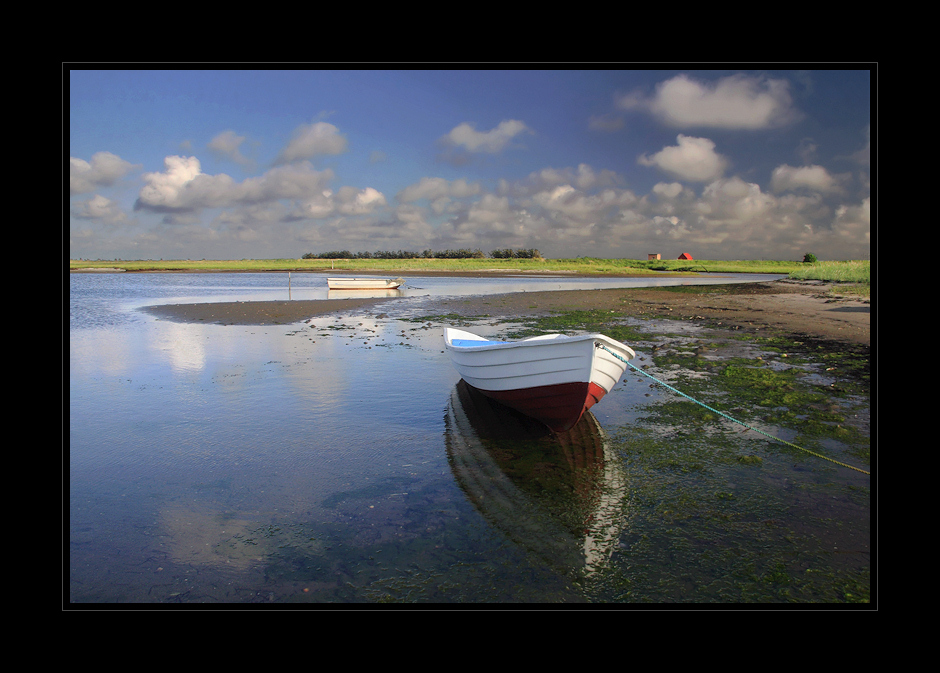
(502, 253)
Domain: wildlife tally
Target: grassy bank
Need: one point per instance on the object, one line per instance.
(582, 265)
(856, 271)
(853, 277)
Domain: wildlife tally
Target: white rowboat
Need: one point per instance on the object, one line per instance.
(364, 283)
(553, 378)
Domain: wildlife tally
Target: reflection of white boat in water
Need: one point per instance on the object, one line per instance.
(362, 294)
(553, 378)
(364, 283)
(557, 495)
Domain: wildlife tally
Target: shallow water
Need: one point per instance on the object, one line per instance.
(338, 460)
(105, 299)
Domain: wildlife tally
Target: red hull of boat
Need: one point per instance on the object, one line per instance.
(559, 407)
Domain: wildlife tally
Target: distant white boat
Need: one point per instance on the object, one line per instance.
(365, 283)
(553, 378)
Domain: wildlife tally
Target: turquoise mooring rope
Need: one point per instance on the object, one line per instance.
(733, 420)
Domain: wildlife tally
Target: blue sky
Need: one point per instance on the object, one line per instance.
(232, 164)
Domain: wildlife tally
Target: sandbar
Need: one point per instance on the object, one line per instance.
(258, 312)
(809, 308)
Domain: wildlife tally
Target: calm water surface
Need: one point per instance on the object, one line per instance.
(333, 460)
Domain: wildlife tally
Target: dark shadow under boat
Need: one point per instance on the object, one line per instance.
(557, 495)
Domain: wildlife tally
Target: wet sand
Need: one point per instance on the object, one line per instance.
(800, 308)
(257, 312)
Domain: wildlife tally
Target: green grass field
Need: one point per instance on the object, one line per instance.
(856, 271)
(846, 271)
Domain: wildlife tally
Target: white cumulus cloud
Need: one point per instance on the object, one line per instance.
(491, 142)
(296, 181)
(312, 140)
(99, 208)
(354, 201)
(439, 192)
(182, 186)
(437, 188)
(165, 190)
(692, 159)
(815, 178)
(736, 102)
(228, 146)
(103, 170)
(735, 202)
(668, 190)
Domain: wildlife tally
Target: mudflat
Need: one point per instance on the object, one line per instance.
(808, 308)
(257, 312)
(813, 309)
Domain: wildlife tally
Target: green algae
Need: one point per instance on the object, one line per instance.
(441, 318)
(594, 320)
(707, 526)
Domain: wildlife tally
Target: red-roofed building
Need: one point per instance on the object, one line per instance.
(685, 255)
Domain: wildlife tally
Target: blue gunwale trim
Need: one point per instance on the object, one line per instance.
(473, 343)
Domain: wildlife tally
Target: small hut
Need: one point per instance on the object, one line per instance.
(653, 255)
(685, 256)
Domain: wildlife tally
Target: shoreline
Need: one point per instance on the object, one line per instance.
(394, 273)
(808, 309)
